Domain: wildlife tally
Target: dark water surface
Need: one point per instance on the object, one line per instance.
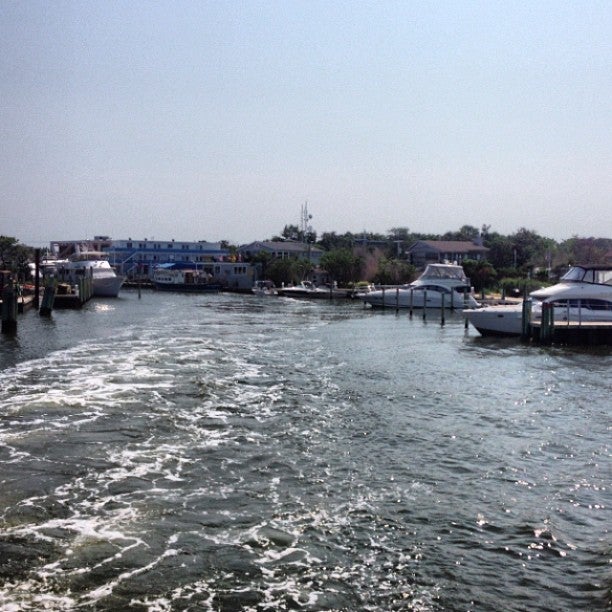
(225, 452)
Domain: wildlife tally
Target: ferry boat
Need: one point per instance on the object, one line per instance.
(437, 283)
(205, 277)
(185, 280)
(583, 295)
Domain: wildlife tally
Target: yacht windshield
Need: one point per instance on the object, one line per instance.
(601, 276)
(574, 274)
(446, 272)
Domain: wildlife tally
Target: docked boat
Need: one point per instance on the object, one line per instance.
(305, 289)
(583, 295)
(438, 285)
(94, 265)
(185, 280)
(264, 287)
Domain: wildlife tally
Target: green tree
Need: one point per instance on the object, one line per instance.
(15, 256)
(342, 265)
(394, 272)
(262, 259)
(7, 247)
(583, 250)
(480, 272)
(501, 251)
(531, 248)
(280, 271)
(467, 232)
(288, 271)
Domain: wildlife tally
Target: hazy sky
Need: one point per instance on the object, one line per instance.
(215, 120)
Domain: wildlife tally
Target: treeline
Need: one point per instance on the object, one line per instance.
(383, 258)
(15, 256)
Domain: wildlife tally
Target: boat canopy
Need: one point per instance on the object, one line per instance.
(444, 272)
(185, 265)
(600, 275)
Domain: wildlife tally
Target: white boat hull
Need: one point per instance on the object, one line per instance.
(107, 287)
(497, 320)
(507, 320)
(104, 279)
(405, 298)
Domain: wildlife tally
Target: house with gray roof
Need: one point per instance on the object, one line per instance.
(285, 249)
(423, 252)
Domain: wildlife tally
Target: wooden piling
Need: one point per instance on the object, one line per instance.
(9, 309)
(526, 319)
(442, 321)
(36, 278)
(48, 298)
(547, 323)
(424, 304)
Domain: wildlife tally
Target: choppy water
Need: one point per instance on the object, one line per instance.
(237, 453)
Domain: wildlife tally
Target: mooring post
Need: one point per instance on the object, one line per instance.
(48, 298)
(36, 278)
(411, 301)
(526, 319)
(9, 308)
(547, 323)
(466, 323)
(442, 311)
(424, 304)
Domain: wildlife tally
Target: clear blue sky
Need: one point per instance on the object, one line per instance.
(217, 120)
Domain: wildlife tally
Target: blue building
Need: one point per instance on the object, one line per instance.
(138, 258)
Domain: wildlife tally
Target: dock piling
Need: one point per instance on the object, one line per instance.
(9, 309)
(526, 320)
(48, 298)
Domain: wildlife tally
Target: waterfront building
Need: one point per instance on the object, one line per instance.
(423, 252)
(285, 249)
(137, 259)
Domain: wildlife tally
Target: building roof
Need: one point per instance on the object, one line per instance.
(287, 246)
(450, 246)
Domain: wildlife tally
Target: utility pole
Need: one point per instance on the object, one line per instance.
(305, 227)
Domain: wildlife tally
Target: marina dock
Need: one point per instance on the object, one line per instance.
(572, 332)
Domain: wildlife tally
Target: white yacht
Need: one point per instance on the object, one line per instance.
(583, 294)
(438, 282)
(105, 281)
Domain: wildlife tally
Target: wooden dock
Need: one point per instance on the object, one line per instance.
(573, 332)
